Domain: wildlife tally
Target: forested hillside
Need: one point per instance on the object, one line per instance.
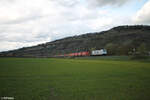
(121, 40)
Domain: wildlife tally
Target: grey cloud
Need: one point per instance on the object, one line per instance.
(67, 3)
(101, 3)
(145, 20)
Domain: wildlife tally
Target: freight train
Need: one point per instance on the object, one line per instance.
(85, 53)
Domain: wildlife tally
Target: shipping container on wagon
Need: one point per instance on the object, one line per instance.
(71, 54)
(85, 53)
(75, 54)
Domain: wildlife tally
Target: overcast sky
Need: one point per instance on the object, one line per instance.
(29, 22)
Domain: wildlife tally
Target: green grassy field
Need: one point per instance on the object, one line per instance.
(74, 79)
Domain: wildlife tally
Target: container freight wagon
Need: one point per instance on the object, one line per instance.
(98, 52)
(84, 53)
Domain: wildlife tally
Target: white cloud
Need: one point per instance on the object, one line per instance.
(143, 15)
(5, 45)
(30, 22)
